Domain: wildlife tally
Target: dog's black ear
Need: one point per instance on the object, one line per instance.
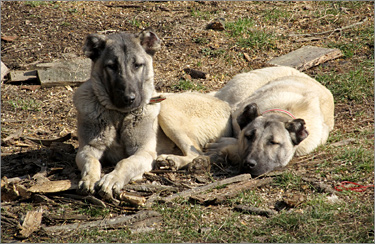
(149, 41)
(94, 45)
(297, 130)
(249, 113)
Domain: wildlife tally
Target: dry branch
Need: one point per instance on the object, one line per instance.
(332, 31)
(117, 222)
(254, 210)
(196, 190)
(221, 195)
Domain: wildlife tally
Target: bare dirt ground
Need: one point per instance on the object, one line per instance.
(56, 30)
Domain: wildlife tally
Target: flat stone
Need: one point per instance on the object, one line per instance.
(64, 73)
(307, 57)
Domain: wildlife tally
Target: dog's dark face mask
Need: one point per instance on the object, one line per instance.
(267, 142)
(123, 64)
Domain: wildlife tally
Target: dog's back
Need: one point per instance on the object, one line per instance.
(243, 85)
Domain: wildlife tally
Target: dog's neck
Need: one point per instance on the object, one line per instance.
(278, 110)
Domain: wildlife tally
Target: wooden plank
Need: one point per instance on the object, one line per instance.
(4, 71)
(22, 76)
(306, 57)
(64, 73)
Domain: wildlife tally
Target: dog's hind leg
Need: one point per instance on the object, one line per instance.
(189, 149)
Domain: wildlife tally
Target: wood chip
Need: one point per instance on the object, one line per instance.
(9, 38)
(306, 57)
(31, 223)
(247, 57)
(133, 199)
(53, 186)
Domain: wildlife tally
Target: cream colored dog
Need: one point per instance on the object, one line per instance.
(276, 112)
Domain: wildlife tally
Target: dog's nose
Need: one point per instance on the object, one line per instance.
(251, 163)
(129, 99)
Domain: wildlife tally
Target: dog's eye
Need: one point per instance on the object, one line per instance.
(111, 65)
(250, 136)
(273, 142)
(138, 65)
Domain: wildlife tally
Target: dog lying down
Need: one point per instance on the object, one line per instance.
(118, 122)
(276, 112)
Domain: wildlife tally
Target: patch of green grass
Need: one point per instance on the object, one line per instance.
(239, 27)
(247, 36)
(213, 53)
(25, 104)
(36, 3)
(65, 24)
(358, 161)
(322, 221)
(201, 40)
(94, 211)
(139, 24)
(354, 85)
(288, 180)
(250, 198)
(205, 15)
(275, 14)
(187, 85)
(354, 47)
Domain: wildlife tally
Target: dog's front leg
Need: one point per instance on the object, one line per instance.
(87, 160)
(125, 170)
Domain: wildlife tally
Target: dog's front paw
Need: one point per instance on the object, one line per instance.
(165, 162)
(110, 184)
(87, 184)
(200, 164)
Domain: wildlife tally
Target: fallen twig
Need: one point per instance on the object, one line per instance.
(319, 185)
(151, 188)
(331, 31)
(221, 195)
(48, 142)
(254, 210)
(196, 190)
(117, 222)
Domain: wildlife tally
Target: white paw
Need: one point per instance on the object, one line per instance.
(110, 184)
(87, 184)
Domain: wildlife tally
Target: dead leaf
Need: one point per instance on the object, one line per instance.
(9, 38)
(31, 223)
